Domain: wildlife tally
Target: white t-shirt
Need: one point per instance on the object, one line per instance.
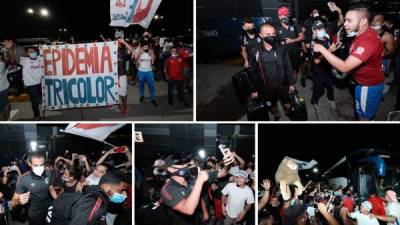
(33, 70)
(145, 62)
(364, 219)
(3, 77)
(393, 209)
(237, 199)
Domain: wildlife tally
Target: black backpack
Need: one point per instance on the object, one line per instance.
(59, 213)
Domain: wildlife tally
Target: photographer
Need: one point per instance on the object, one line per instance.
(182, 193)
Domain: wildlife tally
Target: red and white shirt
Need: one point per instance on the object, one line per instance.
(368, 48)
(175, 67)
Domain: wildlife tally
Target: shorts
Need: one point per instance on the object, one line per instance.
(122, 85)
(278, 92)
(367, 99)
(295, 60)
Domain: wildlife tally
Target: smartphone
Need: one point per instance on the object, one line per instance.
(224, 150)
(331, 4)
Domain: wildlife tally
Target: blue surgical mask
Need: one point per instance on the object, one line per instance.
(321, 34)
(33, 55)
(118, 198)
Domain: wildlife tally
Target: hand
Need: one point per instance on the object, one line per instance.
(84, 158)
(291, 88)
(24, 198)
(318, 47)
(202, 175)
(266, 184)
(254, 95)
(322, 208)
(289, 41)
(240, 217)
(1, 195)
(206, 216)
(7, 44)
(335, 46)
(229, 158)
(120, 40)
(246, 64)
(224, 210)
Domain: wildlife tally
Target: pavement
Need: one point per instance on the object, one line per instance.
(217, 101)
(137, 111)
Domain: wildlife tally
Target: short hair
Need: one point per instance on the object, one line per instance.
(267, 25)
(362, 9)
(74, 172)
(104, 165)
(247, 20)
(35, 155)
(174, 47)
(112, 178)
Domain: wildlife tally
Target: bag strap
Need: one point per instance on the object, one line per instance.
(95, 209)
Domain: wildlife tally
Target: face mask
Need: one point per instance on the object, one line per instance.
(270, 40)
(285, 20)
(33, 55)
(174, 55)
(377, 27)
(186, 172)
(321, 35)
(353, 33)
(275, 205)
(38, 170)
(251, 31)
(118, 198)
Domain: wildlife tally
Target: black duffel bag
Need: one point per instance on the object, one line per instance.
(241, 83)
(257, 109)
(298, 109)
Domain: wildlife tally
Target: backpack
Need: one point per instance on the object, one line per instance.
(60, 211)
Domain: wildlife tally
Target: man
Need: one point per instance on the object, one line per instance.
(249, 41)
(392, 209)
(275, 77)
(378, 204)
(32, 74)
(363, 216)
(146, 58)
(291, 35)
(124, 50)
(386, 37)
(321, 70)
(33, 188)
(174, 73)
(4, 85)
(239, 199)
(364, 62)
(89, 207)
(182, 193)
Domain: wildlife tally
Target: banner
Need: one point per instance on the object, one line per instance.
(127, 12)
(96, 131)
(80, 75)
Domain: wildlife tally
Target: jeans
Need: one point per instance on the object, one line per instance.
(320, 82)
(149, 78)
(35, 95)
(180, 84)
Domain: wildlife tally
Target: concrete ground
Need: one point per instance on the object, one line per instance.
(217, 101)
(145, 111)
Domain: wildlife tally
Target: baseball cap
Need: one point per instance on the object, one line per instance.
(318, 25)
(283, 11)
(367, 205)
(242, 173)
(159, 163)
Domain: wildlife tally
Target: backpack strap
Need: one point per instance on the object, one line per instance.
(95, 209)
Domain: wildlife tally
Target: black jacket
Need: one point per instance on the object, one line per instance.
(284, 69)
(85, 208)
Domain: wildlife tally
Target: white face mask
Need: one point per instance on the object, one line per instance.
(38, 170)
(321, 34)
(377, 27)
(353, 33)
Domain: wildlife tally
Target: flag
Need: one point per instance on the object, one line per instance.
(126, 12)
(95, 131)
(303, 165)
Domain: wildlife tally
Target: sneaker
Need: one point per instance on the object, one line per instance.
(154, 102)
(141, 98)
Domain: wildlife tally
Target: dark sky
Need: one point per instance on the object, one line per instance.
(84, 19)
(326, 143)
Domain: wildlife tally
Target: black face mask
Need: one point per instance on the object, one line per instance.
(251, 31)
(285, 20)
(186, 172)
(271, 40)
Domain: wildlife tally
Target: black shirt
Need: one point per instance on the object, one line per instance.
(123, 57)
(322, 68)
(292, 32)
(39, 187)
(269, 62)
(251, 44)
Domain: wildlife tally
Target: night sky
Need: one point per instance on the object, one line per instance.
(85, 19)
(326, 143)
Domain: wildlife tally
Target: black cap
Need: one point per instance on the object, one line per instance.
(318, 24)
(176, 160)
